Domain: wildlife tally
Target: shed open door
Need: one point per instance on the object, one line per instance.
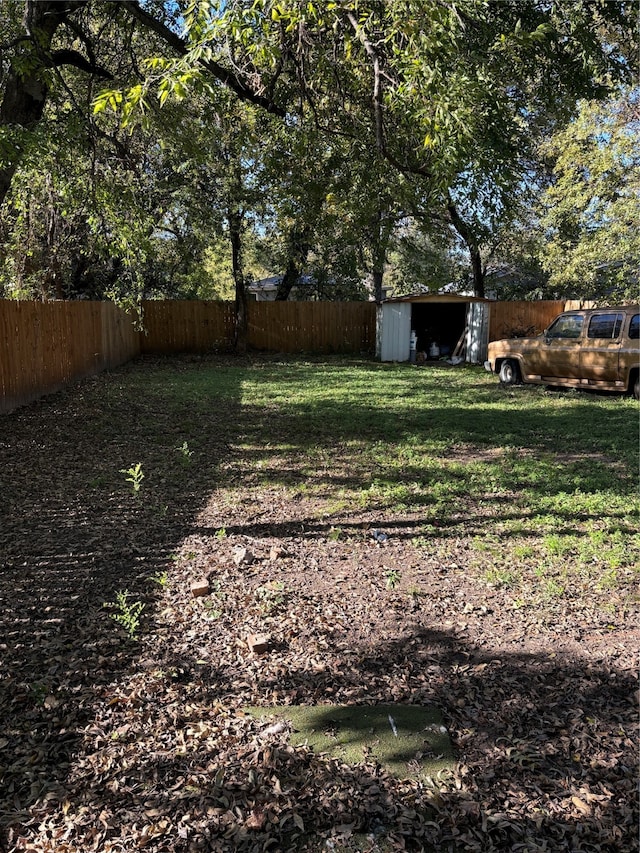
(477, 332)
(394, 331)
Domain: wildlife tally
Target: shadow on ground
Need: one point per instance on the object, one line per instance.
(73, 533)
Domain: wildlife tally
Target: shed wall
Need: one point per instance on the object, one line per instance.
(477, 332)
(394, 331)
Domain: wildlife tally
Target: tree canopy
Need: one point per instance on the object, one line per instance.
(319, 136)
(591, 210)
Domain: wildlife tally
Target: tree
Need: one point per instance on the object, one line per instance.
(579, 49)
(417, 107)
(424, 257)
(88, 196)
(29, 75)
(591, 211)
(103, 210)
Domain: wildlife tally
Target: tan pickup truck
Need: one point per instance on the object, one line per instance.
(598, 348)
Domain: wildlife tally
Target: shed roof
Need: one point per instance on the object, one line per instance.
(437, 297)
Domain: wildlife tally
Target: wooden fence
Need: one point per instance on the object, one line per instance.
(322, 327)
(185, 326)
(521, 319)
(46, 345)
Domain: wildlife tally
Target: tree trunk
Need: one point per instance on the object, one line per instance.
(241, 333)
(288, 281)
(298, 253)
(377, 278)
(477, 270)
(471, 242)
(379, 240)
(22, 105)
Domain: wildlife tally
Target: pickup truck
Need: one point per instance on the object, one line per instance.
(597, 348)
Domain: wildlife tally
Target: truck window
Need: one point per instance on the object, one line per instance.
(605, 326)
(569, 326)
(634, 327)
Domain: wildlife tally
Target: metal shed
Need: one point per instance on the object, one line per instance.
(430, 326)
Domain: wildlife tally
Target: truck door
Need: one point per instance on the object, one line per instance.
(558, 353)
(599, 354)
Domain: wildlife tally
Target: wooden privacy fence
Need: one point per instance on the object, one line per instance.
(521, 319)
(322, 327)
(183, 326)
(46, 345)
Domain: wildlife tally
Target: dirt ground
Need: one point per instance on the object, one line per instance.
(110, 742)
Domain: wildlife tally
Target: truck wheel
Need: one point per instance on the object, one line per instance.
(510, 372)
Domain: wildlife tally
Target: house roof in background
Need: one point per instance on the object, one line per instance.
(270, 283)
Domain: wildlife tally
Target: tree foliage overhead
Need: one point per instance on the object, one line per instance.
(358, 118)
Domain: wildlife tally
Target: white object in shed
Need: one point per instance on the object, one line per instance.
(393, 338)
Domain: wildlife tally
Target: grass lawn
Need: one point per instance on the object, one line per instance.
(392, 535)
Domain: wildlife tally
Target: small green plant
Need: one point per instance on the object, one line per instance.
(523, 552)
(271, 595)
(415, 593)
(39, 691)
(221, 533)
(609, 580)
(497, 577)
(556, 545)
(392, 578)
(184, 451)
(161, 578)
(211, 610)
(553, 589)
(335, 534)
(127, 613)
(134, 475)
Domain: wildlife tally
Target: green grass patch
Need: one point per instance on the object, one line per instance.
(526, 478)
(409, 741)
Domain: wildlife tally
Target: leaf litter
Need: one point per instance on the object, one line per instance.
(117, 743)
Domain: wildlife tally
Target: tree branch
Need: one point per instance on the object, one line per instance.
(180, 46)
(465, 231)
(66, 56)
(378, 106)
